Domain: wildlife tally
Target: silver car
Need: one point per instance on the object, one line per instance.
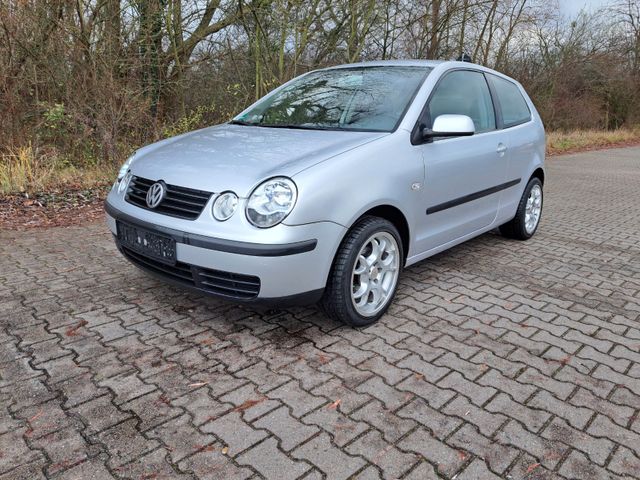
(326, 188)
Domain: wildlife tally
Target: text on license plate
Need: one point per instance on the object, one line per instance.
(147, 243)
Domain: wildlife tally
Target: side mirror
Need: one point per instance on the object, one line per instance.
(450, 126)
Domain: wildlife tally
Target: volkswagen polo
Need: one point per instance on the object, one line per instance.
(326, 188)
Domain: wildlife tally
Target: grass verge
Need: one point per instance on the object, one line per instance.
(580, 140)
(27, 170)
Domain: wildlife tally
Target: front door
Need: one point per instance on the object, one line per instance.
(463, 175)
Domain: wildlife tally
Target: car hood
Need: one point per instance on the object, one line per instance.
(237, 157)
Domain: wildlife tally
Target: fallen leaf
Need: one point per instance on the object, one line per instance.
(532, 467)
(247, 404)
(73, 331)
(204, 448)
(347, 427)
(335, 404)
(69, 269)
(36, 416)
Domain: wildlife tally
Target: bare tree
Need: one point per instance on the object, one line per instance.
(87, 79)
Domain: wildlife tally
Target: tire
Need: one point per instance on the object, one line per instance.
(517, 227)
(337, 301)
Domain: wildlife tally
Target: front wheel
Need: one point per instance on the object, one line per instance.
(364, 274)
(527, 218)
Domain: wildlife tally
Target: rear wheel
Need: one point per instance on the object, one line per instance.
(527, 218)
(364, 275)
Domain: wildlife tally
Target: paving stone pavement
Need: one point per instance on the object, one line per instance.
(499, 359)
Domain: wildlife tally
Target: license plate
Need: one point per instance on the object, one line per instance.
(150, 244)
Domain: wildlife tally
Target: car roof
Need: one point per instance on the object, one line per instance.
(421, 63)
(390, 63)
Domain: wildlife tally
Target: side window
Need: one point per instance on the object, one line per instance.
(513, 106)
(464, 92)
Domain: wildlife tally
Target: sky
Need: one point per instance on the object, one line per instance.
(572, 7)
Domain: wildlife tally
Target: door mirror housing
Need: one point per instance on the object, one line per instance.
(450, 126)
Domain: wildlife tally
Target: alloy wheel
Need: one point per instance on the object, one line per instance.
(375, 274)
(533, 209)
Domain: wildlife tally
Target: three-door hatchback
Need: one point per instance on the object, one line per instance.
(327, 187)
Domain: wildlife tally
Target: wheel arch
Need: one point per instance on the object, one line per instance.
(396, 217)
(539, 174)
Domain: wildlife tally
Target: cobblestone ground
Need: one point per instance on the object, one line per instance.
(498, 359)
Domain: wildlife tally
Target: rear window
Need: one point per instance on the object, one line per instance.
(512, 104)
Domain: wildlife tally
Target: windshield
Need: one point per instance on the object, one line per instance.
(365, 98)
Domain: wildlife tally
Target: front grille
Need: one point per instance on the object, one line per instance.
(226, 284)
(179, 202)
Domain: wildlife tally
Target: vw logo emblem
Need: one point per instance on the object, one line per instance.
(156, 194)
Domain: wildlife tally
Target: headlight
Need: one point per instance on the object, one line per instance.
(271, 202)
(125, 168)
(225, 206)
(122, 183)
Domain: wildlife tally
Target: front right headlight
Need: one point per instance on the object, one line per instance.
(271, 201)
(125, 167)
(124, 175)
(224, 206)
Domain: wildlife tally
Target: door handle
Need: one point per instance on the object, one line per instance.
(502, 148)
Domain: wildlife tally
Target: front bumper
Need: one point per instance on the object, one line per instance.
(291, 272)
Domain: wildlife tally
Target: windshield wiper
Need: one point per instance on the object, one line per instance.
(283, 125)
(242, 122)
(297, 126)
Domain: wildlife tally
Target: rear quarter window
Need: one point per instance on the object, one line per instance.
(513, 106)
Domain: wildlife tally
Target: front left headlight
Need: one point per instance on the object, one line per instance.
(271, 202)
